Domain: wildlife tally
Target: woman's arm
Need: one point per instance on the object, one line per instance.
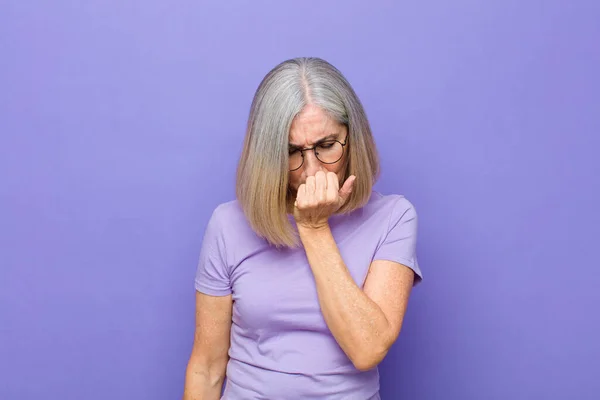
(205, 371)
(364, 323)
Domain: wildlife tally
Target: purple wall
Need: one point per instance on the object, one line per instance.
(121, 123)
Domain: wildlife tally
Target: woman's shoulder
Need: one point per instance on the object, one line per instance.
(227, 212)
(229, 220)
(389, 202)
(380, 210)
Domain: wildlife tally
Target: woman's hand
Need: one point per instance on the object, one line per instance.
(319, 198)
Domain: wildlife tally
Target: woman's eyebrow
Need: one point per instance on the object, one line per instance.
(331, 136)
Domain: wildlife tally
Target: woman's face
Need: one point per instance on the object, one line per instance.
(313, 127)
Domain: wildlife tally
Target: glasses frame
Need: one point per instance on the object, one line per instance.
(314, 149)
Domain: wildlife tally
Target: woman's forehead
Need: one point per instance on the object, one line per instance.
(313, 125)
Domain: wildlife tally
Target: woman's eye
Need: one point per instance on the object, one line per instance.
(292, 151)
(326, 145)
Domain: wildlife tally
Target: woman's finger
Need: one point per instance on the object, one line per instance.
(320, 186)
(310, 186)
(346, 190)
(301, 196)
(332, 186)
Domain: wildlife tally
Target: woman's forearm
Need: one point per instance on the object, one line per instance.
(357, 323)
(203, 382)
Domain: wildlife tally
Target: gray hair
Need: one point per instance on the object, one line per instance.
(262, 175)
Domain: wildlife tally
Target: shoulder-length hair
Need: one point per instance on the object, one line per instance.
(262, 173)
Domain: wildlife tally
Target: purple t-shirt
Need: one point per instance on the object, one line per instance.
(281, 347)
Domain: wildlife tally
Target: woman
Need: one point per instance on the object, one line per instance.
(304, 280)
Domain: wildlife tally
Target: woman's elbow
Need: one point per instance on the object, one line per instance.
(372, 353)
(368, 359)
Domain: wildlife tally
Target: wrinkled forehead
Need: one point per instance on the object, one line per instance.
(313, 125)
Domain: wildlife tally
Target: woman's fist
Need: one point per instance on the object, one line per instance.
(319, 198)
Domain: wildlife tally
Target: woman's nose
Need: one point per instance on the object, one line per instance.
(312, 165)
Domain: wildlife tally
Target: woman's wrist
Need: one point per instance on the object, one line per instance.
(312, 228)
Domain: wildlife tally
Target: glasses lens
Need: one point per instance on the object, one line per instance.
(295, 159)
(330, 152)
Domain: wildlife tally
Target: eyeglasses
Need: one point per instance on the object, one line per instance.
(327, 152)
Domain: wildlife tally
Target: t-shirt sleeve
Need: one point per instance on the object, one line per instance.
(212, 274)
(400, 243)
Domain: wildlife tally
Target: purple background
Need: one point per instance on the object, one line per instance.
(121, 123)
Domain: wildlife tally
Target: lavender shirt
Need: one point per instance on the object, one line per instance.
(281, 347)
